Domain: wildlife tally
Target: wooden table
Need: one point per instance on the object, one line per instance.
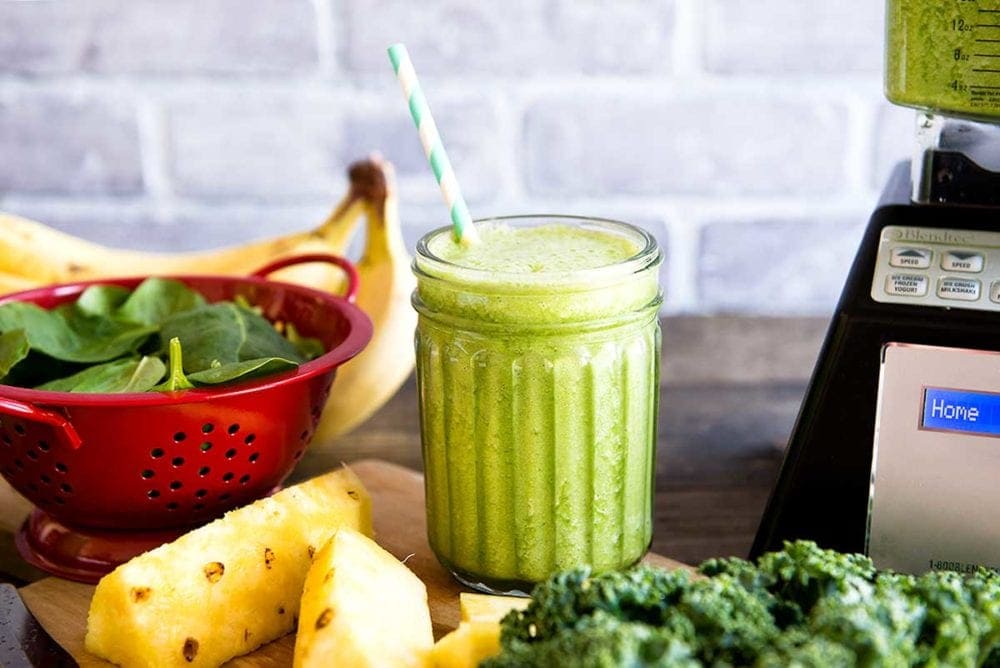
(731, 388)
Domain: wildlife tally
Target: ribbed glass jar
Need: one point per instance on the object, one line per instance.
(538, 403)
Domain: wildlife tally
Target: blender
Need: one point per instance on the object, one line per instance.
(896, 449)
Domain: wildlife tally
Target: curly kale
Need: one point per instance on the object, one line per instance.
(803, 607)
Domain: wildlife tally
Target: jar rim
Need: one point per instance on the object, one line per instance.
(426, 262)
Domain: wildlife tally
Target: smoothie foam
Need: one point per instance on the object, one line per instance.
(538, 359)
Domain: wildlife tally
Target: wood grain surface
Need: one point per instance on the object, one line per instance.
(400, 527)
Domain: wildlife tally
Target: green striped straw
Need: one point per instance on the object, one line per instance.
(461, 219)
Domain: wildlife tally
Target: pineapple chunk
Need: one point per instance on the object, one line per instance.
(467, 645)
(487, 607)
(226, 588)
(362, 608)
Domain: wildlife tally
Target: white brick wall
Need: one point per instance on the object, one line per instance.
(750, 136)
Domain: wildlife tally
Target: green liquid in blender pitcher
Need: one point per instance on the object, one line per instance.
(944, 56)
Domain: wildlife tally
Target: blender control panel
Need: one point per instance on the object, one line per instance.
(936, 459)
(931, 267)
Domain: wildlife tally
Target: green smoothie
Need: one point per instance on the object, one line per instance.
(537, 364)
(944, 56)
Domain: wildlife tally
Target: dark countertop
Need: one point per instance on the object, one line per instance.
(730, 391)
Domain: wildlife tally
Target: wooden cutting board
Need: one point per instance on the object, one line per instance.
(400, 527)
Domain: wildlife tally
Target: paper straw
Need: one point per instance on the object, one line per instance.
(461, 219)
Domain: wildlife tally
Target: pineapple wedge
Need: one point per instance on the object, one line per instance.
(362, 608)
(226, 588)
(487, 607)
(467, 645)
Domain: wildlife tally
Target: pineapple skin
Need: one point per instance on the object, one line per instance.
(361, 607)
(226, 588)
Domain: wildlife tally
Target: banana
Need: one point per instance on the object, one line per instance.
(370, 379)
(33, 254)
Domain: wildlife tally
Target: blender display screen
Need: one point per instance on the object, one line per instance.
(961, 411)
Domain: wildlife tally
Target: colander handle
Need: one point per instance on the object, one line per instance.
(346, 265)
(33, 413)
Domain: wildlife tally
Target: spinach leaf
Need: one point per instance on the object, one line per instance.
(71, 335)
(124, 375)
(240, 371)
(102, 300)
(225, 333)
(156, 299)
(263, 340)
(307, 346)
(176, 380)
(13, 348)
(213, 332)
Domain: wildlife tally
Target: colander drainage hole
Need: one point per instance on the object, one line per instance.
(45, 479)
(204, 471)
(244, 479)
(156, 453)
(61, 501)
(230, 453)
(303, 435)
(148, 473)
(19, 464)
(61, 468)
(298, 453)
(228, 476)
(177, 461)
(250, 439)
(179, 436)
(176, 484)
(19, 428)
(172, 505)
(66, 489)
(224, 497)
(201, 493)
(254, 457)
(206, 446)
(5, 438)
(207, 428)
(43, 446)
(152, 494)
(32, 455)
(198, 506)
(233, 428)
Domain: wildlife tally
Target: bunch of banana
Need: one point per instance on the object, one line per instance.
(32, 254)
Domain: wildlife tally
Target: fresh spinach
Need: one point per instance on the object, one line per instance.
(103, 300)
(123, 375)
(307, 346)
(162, 336)
(237, 371)
(225, 333)
(13, 348)
(72, 335)
(176, 380)
(156, 299)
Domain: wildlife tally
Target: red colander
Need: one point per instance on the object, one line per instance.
(113, 475)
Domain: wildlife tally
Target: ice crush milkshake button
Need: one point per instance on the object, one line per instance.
(957, 260)
(965, 289)
(906, 285)
(914, 258)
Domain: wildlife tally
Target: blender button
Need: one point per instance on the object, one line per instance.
(906, 285)
(914, 258)
(964, 289)
(956, 260)
(995, 292)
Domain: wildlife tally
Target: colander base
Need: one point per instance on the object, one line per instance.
(83, 555)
